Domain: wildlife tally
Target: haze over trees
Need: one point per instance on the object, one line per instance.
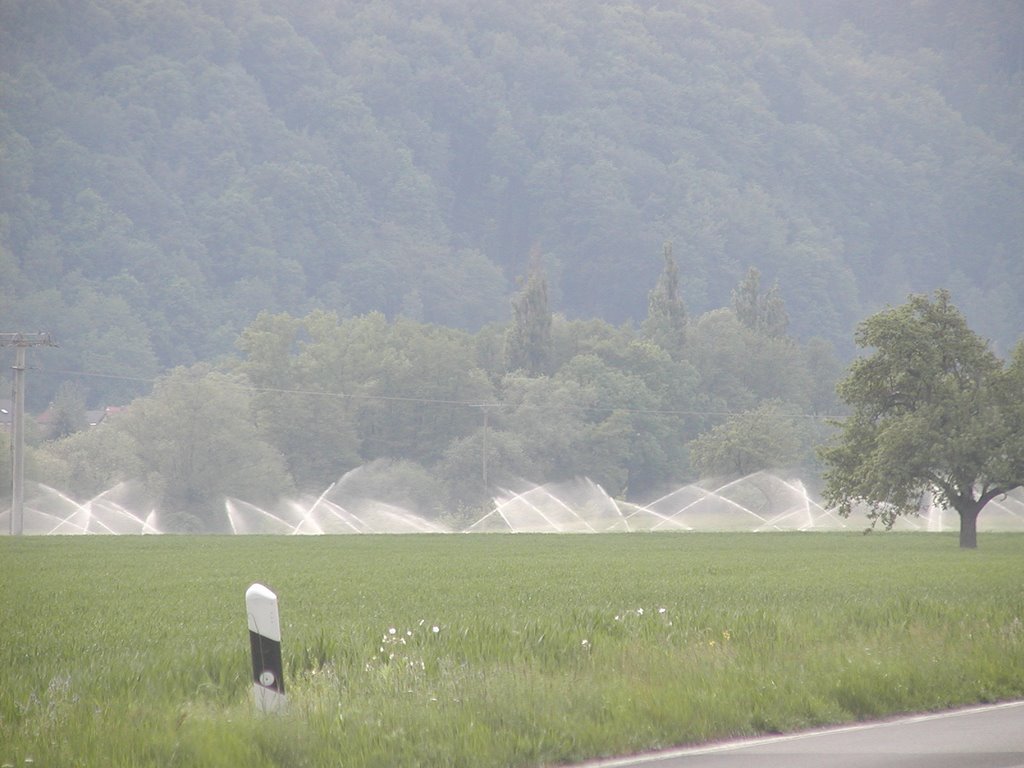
(173, 169)
(435, 234)
(449, 414)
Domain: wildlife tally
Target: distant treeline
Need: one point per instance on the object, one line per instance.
(173, 169)
(445, 416)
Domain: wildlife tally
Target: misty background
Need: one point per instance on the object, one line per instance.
(172, 170)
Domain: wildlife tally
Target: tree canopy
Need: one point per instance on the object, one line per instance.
(309, 399)
(172, 169)
(933, 411)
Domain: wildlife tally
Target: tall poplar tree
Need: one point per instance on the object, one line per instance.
(528, 341)
(665, 324)
(761, 311)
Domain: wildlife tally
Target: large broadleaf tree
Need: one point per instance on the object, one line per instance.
(933, 410)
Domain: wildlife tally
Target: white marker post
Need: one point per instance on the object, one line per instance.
(265, 638)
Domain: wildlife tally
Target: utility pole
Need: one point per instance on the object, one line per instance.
(483, 462)
(20, 342)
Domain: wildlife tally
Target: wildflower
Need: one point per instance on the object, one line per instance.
(435, 629)
(661, 610)
(726, 635)
(585, 642)
(392, 630)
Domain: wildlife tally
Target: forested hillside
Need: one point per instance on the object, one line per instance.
(170, 169)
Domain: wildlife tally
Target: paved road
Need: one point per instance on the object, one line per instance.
(981, 737)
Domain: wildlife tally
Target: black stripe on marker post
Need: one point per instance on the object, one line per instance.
(267, 670)
(265, 641)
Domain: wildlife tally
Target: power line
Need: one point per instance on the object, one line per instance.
(416, 400)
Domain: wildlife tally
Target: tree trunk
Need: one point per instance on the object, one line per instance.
(969, 527)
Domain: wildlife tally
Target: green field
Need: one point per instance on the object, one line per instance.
(502, 650)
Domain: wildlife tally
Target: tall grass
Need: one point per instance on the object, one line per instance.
(490, 650)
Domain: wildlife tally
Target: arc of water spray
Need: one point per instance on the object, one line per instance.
(61, 522)
(495, 511)
(417, 524)
(565, 506)
(307, 515)
(814, 518)
(799, 488)
(610, 500)
(332, 509)
(90, 510)
(776, 521)
(706, 494)
(663, 518)
(767, 522)
(1005, 508)
(499, 509)
(338, 514)
(232, 510)
(522, 497)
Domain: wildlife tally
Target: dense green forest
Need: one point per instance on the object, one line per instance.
(246, 185)
(438, 417)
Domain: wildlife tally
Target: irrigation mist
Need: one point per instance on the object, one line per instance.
(761, 501)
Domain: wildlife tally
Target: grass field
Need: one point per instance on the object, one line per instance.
(489, 650)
